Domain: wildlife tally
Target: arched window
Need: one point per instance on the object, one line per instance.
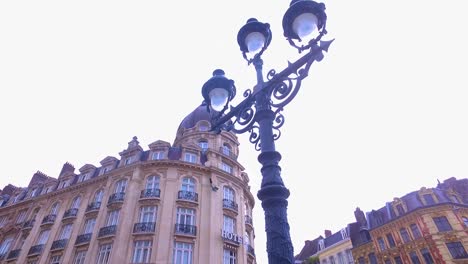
(152, 182)
(227, 150)
(54, 209)
(120, 186)
(188, 185)
(75, 203)
(98, 196)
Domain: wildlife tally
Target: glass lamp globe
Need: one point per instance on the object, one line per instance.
(218, 98)
(304, 25)
(255, 41)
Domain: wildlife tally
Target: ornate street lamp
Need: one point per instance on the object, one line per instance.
(260, 111)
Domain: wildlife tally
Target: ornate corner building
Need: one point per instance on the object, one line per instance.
(189, 202)
(426, 226)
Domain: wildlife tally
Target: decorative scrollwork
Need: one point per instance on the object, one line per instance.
(255, 136)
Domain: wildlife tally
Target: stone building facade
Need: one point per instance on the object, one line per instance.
(189, 202)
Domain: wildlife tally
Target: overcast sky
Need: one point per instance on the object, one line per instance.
(384, 113)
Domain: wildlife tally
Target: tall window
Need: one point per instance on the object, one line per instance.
(228, 194)
(128, 160)
(5, 246)
(398, 260)
(21, 216)
(43, 237)
(188, 184)
(442, 223)
(190, 157)
(104, 254)
(34, 192)
(142, 251)
(332, 260)
(415, 231)
(372, 258)
(229, 224)
(55, 259)
(350, 256)
(229, 256)
(152, 183)
(429, 199)
(414, 258)
(185, 216)
(120, 186)
(80, 257)
(457, 250)
(203, 144)
(341, 258)
(183, 253)
(427, 256)
(404, 235)
(76, 203)
(158, 155)
(89, 225)
(98, 196)
(391, 242)
(400, 209)
(54, 209)
(66, 231)
(112, 218)
(226, 149)
(148, 214)
(381, 244)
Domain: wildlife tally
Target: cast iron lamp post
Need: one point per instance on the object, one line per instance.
(259, 113)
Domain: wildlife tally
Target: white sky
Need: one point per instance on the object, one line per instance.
(382, 115)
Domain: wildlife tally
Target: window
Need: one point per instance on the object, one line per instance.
(112, 218)
(391, 242)
(387, 261)
(203, 145)
(400, 209)
(465, 221)
(227, 150)
(228, 194)
(80, 257)
(229, 224)
(404, 235)
(142, 251)
(98, 196)
(226, 167)
(454, 198)
(341, 258)
(414, 258)
(66, 231)
(398, 260)
(372, 258)
(21, 216)
(321, 244)
(381, 243)
(5, 246)
(442, 223)
(190, 157)
(128, 160)
(43, 237)
(89, 225)
(83, 177)
(120, 186)
(188, 185)
(429, 199)
(34, 192)
(185, 216)
(457, 250)
(427, 256)
(229, 256)
(104, 254)
(183, 253)
(54, 209)
(76, 203)
(55, 259)
(350, 256)
(152, 183)
(361, 260)
(158, 155)
(148, 214)
(415, 231)
(332, 260)
(3, 220)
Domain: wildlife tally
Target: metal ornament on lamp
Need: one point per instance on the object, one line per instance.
(259, 113)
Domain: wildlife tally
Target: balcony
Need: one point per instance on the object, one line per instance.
(49, 219)
(70, 213)
(228, 153)
(183, 229)
(144, 228)
(13, 254)
(28, 225)
(93, 207)
(188, 196)
(58, 244)
(230, 204)
(250, 251)
(107, 231)
(83, 239)
(2, 256)
(150, 194)
(116, 198)
(35, 250)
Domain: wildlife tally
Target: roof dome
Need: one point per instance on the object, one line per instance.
(191, 120)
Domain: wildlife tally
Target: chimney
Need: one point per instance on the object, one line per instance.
(328, 233)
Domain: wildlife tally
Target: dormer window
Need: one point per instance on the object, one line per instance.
(158, 155)
(190, 157)
(203, 127)
(63, 184)
(33, 193)
(454, 198)
(321, 244)
(344, 233)
(429, 199)
(400, 209)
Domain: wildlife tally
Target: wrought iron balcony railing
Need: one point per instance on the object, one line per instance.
(107, 231)
(186, 229)
(83, 238)
(49, 219)
(116, 198)
(250, 250)
(146, 227)
(73, 212)
(94, 206)
(29, 224)
(150, 193)
(230, 204)
(13, 254)
(228, 153)
(35, 250)
(59, 244)
(248, 220)
(189, 196)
